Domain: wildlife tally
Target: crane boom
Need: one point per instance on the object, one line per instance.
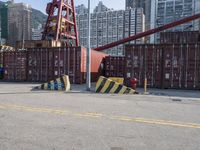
(149, 32)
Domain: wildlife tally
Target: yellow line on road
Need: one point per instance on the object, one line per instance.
(99, 115)
(158, 122)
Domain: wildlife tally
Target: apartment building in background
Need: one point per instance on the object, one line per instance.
(19, 22)
(145, 4)
(81, 9)
(3, 23)
(167, 11)
(109, 25)
(37, 33)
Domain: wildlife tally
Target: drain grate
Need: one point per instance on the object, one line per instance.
(176, 100)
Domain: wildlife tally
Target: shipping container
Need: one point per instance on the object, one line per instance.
(180, 37)
(181, 66)
(114, 66)
(9, 66)
(175, 66)
(44, 64)
(15, 66)
(143, 61)
(38, 44)
(38, 65)
(1, 59)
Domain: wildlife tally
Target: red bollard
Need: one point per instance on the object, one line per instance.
(134, 83)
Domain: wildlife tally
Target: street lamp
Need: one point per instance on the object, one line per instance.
(88, 52)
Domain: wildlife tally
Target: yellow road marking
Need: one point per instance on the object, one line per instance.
(99, 115)
(158, 122)
(93, 115)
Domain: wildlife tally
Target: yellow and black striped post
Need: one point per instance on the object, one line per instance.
(105, 85)
(59, 84)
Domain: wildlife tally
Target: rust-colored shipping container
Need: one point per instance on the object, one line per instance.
(144, 61)
(45, 64)
(180, 37)
(181, 66)
(192, 66)
(38, 44)
(9, 66)
(174, 66)
(37, 65)
(1, 59)
(15, 66)
(114, 66)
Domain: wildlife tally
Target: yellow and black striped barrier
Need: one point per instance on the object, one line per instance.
(105, 85)
(6, 48)
(60, 84)
(117, 79)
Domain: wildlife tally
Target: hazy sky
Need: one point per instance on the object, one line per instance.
(41, 4)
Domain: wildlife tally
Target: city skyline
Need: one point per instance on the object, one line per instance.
(42, 6)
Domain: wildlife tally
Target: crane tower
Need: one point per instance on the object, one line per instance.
(61, 22)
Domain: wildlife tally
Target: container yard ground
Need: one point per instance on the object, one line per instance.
(43, 120)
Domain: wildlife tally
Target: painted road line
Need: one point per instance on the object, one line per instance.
(157, 122)
(93, 115)
(96, 115)
(34, 109)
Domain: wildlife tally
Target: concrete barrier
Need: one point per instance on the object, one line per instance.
(59, 84)
(105, 85)
(117, 79)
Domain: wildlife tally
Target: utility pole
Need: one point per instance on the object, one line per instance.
(88, 52)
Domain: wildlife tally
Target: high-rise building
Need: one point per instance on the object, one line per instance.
(19, 22)
(37, 33)
(4, 22)
(146, 5)
(109, 26)
(100, 8)
(130, 4)
(167, 11)
(81, 9)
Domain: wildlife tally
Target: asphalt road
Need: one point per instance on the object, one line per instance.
(42, 120)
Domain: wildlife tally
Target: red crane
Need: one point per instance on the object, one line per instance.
(149, 32)
(61, 22)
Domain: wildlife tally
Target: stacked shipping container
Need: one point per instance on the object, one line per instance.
(44, 64)
(188, 37)
(181, 66)
(165, 66)
(38, 44)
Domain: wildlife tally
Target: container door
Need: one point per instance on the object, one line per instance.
(9, 66)
(150, 64)
(158, 66)
(135, 64)
(191, 75)
(43, 62)
(20, 66)
(51, 64)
